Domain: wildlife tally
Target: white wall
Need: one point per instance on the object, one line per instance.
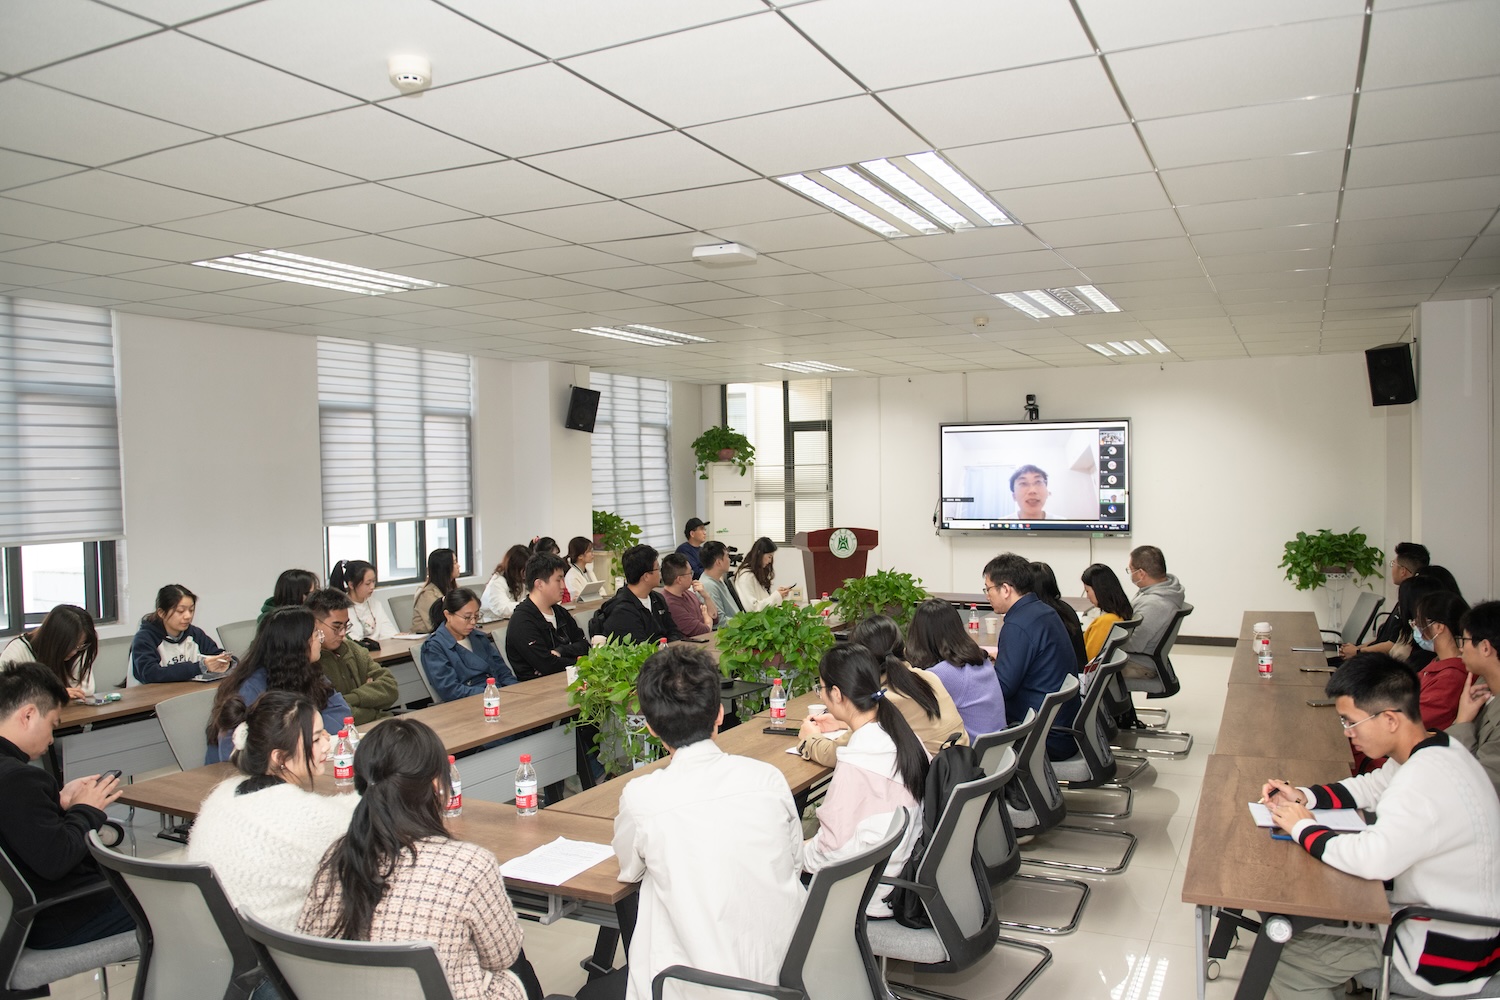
(1232, 458)
(549, 469)
(682, 464)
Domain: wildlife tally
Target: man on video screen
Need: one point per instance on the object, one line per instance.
(1028, 485)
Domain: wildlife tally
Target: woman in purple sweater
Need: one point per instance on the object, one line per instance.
(937, 640)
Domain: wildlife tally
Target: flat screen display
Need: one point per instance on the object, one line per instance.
(1061, 476)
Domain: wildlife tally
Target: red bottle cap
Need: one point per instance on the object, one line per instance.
(526, 758)
(348, 720)
(490, 681)
(343, 734)
(452, 759)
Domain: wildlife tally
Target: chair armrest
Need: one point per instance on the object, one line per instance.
(926, 892)
(1333, 632)
(690, 975)
(27, 912)
(1430, 913)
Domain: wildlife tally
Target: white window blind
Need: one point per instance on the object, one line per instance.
(59, 434)
(394, 430)
(631, 474)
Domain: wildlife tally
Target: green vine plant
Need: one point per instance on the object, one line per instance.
(885, 592)
(614, 535)
(1308, 559)
(604, 694)
(708, 445)
(784, 640)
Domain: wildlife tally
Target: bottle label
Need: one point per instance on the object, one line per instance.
(778, 711)
(343, 768)
(1265, 664)
(456, 800)
(492, 708)
(526, 795)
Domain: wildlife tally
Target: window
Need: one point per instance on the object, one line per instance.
(394, 428)
(791, 426)
(60, 466)
(631, 472)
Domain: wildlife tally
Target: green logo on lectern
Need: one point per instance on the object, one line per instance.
(842, 543)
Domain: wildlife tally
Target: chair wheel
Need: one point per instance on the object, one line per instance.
(1212, 970)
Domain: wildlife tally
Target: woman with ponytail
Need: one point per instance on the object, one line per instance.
(369, 620)
(920, 697)
(397, 875)
(881, 769)
(265, 830)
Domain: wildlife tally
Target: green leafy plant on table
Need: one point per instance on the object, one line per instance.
(1309, 559)
(605, 697)
(784, 640)
(614, 534)
(723, 444)
(885, 592)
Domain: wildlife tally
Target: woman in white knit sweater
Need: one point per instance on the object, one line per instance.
(753, 580)
(265, 830)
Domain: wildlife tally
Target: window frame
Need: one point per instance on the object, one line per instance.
(101, 581)
(789, 429)
(465, 551)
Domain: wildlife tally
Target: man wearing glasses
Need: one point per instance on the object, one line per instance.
(1034, 655)
(637, 613)
(369, 688)
(1477, 727)
(1436, 842)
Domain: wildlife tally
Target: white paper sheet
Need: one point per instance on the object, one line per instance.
(837, 733)
(555, 863)
(1343, 820)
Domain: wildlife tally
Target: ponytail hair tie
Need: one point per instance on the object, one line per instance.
(241, 735)
(878, 695)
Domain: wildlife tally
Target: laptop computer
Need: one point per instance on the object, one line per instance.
(590, 591)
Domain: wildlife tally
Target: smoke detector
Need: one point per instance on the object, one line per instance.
(411, 74)
(723, 253)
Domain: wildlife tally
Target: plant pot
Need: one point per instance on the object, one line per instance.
(727, 454)
(598, 539)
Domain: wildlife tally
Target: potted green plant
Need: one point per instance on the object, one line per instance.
(784, 640)
(614, 534)
(723, 444)
(1310, 559)
(604, 694)
(885, 592)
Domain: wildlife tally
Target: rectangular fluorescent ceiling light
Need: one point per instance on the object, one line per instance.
(1158, 346)
(920, 194)
(805, 367)
(1101, 349)
(649, 336)
(1044, 303)
(282, 266)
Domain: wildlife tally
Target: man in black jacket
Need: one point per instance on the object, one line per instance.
(43, 829)
(637, 613)
(542, 637)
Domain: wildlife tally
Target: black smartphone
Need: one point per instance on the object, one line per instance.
(116, 774)
(1319, 702)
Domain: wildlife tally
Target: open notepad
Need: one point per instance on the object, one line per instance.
(555, 863)
(1343, 820)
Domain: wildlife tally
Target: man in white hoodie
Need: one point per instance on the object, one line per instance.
(1435, 842)
(1158, 599)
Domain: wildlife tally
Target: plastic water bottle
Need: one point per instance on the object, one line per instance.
(455, 805)
(353, 733)
(491, 701)
(974, 620)
(1260, 641)
(526, 787)
(343, 760)
(778, 705)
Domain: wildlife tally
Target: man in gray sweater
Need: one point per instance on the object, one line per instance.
(1158, 599)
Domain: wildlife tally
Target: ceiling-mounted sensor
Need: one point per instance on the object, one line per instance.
(723, 253)
(411, 74)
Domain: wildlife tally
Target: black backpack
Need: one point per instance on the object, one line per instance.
(950, 767)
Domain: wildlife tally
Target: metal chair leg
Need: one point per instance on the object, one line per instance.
(1078, 866)
(1079, 800)
(1134, 741)
(906, 990)
(1065, 928)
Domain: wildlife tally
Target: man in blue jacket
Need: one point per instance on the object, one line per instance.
(1034, 656)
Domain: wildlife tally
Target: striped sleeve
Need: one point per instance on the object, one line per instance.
(1331, 797)
(1315, 839)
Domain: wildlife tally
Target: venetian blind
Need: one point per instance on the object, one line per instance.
(631, 474)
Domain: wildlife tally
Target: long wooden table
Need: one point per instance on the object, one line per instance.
(1268, 730)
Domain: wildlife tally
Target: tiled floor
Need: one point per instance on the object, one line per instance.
(1135, 940)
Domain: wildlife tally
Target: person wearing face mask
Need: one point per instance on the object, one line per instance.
(1158, 599)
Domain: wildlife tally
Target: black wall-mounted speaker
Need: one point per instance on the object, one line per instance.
(583, 407)
(1391, 379)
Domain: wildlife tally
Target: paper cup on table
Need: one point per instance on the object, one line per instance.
(991, 624)
(598, 640)
(572, 674)
(816, 710)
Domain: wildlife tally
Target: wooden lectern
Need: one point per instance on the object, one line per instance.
(826, 571)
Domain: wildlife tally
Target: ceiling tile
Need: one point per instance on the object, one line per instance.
(809, 138)
(368, 142)
(19, 218)
(992, 265)
(84, 260)
(839, 258)
(568, 27)
(1393, 253)
(473, 237)
(1052, 159)
(1429, 160)
(259, 227)
(192, 83)
(883, 45)
(730, 204)
(22, 168)
(1416, 199)
(610, 220)
(174, 11)
(971, 243)
(895, 274)
(37, 119)
(1131, 252)
(1080, 199)
(1390, 272)
(561, 260)
(199, 279)
(1159, 224)
(1152, 22)
(631, 278)
(742, 67)
(1242, 133)
(367, 207)
(827, 230)
(98, 192)
(1262, 66)
(1277, 260)
(542, 108)
(226, 169)
(1231, 216)
(1263, 286)
(1256, 240)
(648, 164)
(344, 44)
(496, 188)
(1430, 44)
(1430, 111)
(676, 248)
(1261, 178)
(38, 32)
(379, 252)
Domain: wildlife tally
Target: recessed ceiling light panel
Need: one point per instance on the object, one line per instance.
(649, 336)
(282, 266)
(805, 367)
(1044, 303)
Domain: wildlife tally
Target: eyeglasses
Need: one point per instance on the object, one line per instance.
(339, 627)
(471, 619)
(1461, 639)
(1347, 725)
